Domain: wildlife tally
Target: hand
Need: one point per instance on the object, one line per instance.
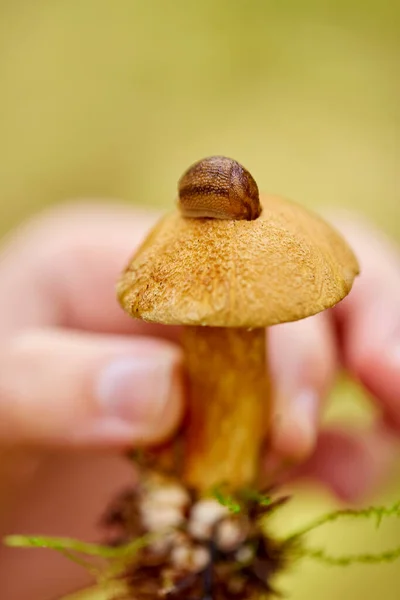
(80, 381)
(362, 335)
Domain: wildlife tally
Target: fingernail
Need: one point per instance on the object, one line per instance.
(296, 426)
(137, 389)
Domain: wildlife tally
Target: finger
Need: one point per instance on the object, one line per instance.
(303, 364)
(369, 319)
(66, 388)
(352, 464)
(62, 268)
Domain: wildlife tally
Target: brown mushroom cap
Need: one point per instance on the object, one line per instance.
(283, 266)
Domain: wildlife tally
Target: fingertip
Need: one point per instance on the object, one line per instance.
(79, 389)
(378, 369)
(303, 363)
(294, 431)
(141, 400)
(352, 464)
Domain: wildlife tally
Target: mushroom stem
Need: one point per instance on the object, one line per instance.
(228, 407)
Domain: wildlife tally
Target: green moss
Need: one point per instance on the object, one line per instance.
(375, 513)
(241, 500)
(227, 500)
(115, 559)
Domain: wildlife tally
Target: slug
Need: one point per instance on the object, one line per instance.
(218, 188)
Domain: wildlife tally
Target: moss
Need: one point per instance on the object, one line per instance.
(146, 572)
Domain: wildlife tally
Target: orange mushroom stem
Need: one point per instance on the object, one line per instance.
(229, 402)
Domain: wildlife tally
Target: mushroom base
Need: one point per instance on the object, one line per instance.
(202, 549)
(228, 405)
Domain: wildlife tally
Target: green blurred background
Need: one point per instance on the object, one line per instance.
(116, 98)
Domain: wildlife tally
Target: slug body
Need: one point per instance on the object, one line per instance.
(218, 188)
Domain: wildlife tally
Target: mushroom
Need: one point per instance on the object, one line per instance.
(226, 266)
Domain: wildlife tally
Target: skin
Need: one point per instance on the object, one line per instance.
(81, 381)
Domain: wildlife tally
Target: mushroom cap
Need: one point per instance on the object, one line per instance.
(283, 266)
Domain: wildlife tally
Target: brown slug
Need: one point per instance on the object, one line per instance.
(219, 188)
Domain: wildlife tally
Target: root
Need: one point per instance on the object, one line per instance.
(208, 548)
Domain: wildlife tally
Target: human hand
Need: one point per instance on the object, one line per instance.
(361, 335)
(81, 381)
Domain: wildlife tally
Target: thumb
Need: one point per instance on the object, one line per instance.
(66, 388)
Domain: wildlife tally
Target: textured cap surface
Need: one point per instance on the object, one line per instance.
(286, 265)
